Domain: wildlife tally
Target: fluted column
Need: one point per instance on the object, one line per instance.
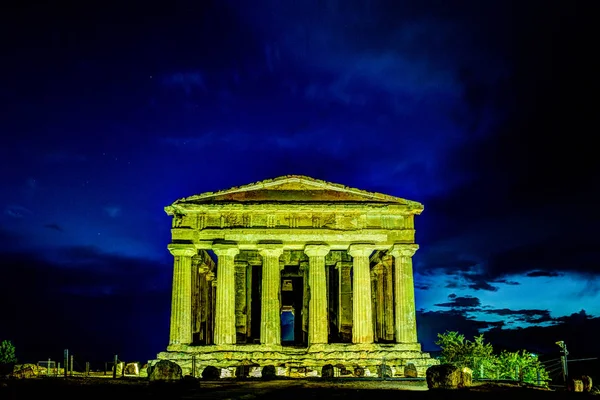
(270, 322)
(362, 311)
(225, 305)
(318, 323)
(405, 323)
(181, 298)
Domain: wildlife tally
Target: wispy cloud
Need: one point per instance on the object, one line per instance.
(112, 211)
(54, 227)
(17, 211)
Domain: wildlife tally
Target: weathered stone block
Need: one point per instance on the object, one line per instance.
(410, 371)
(26, 372)
(587, 383)
(165, 370)
(211, 373)
(268, 372)
(132, 369)
(448, 376)
(576, 385)
(327, 371)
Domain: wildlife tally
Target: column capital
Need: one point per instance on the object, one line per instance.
(270, 250)
(403, 250)
(187, 250)
(360, 249)
(312, 250)
(221, 250)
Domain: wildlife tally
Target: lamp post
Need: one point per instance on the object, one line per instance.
(563, 358)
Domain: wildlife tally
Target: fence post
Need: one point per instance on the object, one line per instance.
(48, 371)
(87, 368)
(66, 356)
(57, 370)
(115, 367)
(71, 366)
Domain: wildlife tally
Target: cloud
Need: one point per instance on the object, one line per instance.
(54, 227)
(538, 273)
(528, 316)
(112, 211)
(188, 81)
(17, 211)
(578, 330)
(461, 302)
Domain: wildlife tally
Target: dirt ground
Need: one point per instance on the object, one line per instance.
(130, 389)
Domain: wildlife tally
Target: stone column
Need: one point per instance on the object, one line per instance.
(181, 298)
(388, 262)
(379, 303)
(405, 325)
(305, 297)
(240, 301)
(345, 309)
(362, 309)
(318, 323)
(225, 305)
(270, 313)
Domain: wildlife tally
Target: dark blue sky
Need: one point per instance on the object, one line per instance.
(481, 110)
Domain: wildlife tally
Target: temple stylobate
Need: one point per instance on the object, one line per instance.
(296, 273)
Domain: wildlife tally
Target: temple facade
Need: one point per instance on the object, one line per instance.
(294, 273)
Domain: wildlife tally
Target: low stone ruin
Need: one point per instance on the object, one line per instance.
(25, 371)
(446, 376)
(165, 370)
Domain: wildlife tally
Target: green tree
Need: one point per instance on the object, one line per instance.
(476, 355)
(520, 365)
(480, 358)
(7, 352)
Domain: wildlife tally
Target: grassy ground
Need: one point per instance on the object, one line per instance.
(130, 389)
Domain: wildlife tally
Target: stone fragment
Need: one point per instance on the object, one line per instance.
(132, 369)
(211, 373)
(165, 370)
(327, 371)
(446, 376)
(26, 372)
(268, 372)
(576, 385)
(587, 383)
(410, 371)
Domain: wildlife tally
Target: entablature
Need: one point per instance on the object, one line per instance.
(328, 219)
(293, 239)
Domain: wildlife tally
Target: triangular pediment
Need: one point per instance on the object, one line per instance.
(291, 189)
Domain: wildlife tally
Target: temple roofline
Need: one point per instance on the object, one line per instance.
(294, 182)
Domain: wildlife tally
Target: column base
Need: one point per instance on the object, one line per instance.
(301, 362)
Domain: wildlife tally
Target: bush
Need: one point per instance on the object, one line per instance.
(7, 352)
(479, 357)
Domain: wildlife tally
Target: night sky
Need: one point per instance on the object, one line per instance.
(484, 111)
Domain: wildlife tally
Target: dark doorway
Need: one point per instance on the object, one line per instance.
(256, 304)
(292, 288)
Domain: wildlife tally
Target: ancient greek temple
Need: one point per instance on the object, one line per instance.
(295, 273)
